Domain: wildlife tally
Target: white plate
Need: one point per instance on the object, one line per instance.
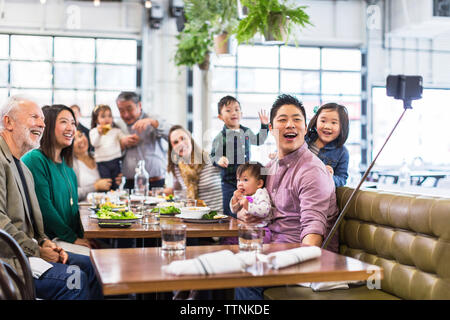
(150, 200)
(138, 216)
(190, 220)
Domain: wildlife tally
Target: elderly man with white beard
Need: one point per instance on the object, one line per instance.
(56, 273)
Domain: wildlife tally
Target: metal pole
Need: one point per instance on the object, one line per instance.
(347, 205)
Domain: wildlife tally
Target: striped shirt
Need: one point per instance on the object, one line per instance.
(314, 149)
(209, 186)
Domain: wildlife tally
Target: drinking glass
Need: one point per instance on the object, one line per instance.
(250, 237)
(179, 195)
(173, 237)
(158, 192)
(98, 198)
(136, 201)
(190, 203)
(151, 217)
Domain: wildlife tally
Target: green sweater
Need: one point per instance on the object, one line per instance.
(55, 184)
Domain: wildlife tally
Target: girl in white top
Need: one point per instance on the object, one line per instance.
(251, 196)
(107, 140)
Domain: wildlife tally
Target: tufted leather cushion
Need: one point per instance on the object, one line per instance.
(409, 236)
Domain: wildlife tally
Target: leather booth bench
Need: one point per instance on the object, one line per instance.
(406, 235)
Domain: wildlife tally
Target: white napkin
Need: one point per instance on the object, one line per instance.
(281, 259)
(325, 286)
(72, 247)
(38, 266)
(223, 261)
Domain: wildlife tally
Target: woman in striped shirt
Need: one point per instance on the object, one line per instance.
(192, 169)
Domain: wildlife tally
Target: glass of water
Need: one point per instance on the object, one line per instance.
(173, 237)
(158, 192)
(150, 217)
(250, 237)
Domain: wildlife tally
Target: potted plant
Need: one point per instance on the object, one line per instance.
(193, 47)
(275, 19)
(208, 26)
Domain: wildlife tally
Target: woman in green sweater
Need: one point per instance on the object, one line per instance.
(55, 180)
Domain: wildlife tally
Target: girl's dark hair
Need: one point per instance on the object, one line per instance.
(343, 122)
(225, 101)
(99, 108)
(254, 169)
(48, 141)
(282, 100)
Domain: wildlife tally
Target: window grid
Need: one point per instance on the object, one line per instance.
(54, 87)
(320, 94)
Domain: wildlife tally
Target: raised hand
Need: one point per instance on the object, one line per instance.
(263, 117)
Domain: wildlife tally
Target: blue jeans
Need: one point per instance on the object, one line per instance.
(110, 169)
(227, 193)
(74, 280)
(250, 293)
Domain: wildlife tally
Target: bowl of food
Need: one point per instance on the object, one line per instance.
(194, 212)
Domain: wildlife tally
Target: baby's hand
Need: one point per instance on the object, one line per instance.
(223, 162)
(330, 169)
(244, 203)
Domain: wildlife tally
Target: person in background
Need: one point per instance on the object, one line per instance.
(147, 140)
(108, 141)
(231, 147)
(77, 111)
(192, 169)
(300, 187)
(55, 180)
(85, 168)
(326, 135)
(21, 128)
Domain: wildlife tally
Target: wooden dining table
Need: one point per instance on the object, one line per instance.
(227, 228)
(139, 270)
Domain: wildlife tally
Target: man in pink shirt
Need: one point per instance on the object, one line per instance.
(301, 189)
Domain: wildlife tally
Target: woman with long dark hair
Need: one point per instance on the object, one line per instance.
(55, 180)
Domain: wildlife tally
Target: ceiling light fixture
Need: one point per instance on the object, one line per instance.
(43, 1)
(96, 3)
(148, 4)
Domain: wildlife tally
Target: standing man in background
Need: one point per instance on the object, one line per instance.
(147, 141)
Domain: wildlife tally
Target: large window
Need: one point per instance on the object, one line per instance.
(67, 70)
(422, 135)
(257, 74)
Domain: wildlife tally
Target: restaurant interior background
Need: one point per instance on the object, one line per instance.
(86, 52)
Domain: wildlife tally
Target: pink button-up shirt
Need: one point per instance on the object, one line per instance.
(304, 199)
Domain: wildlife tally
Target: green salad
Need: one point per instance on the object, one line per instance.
(106, 213)
(209, 216)
(166, 210)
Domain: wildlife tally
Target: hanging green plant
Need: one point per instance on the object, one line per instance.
(204, 20)
(274, 19)
(193, 46)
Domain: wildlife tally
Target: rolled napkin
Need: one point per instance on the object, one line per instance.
(325, 286)
(223, 261)
(281, 259)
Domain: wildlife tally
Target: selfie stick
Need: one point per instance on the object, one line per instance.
(406, 105)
